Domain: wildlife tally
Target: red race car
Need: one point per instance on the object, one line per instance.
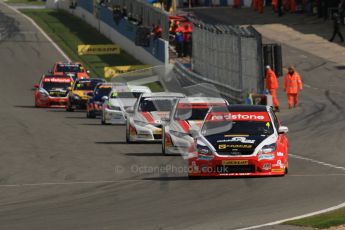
(239, 140)
(52, 91)
(74, 69)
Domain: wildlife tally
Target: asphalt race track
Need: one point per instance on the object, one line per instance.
(59, 170)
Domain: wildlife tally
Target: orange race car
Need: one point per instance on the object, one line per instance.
(74, 69)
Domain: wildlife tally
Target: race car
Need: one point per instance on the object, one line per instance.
(241, 140)
(74, 69)
(188, 113)
(52, 91)
(144, 121)
(78, 93)
(119, 99)
(96, 98)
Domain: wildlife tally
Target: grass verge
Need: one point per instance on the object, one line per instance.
(26, 2)
(322, 221)
(68, 31)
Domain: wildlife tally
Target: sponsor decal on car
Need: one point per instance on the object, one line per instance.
(266, 166)
(57, 80)
(205, 157)
(235, 162)
(239, 146)
(265, 157)
(277, 170)
(280, 154)
(238, 139)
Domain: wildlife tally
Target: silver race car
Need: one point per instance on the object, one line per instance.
(144, 121)
(188, 113)
(119, 99)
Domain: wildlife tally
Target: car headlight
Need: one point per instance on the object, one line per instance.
(140, 123)
(43, 93)
(76, 97)
(268, 148)
(178, 134)
(112, 107)
(202, 149)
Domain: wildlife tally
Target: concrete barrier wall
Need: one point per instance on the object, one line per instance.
(218, 2)
(122, 34)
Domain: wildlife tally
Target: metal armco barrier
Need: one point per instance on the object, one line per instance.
(228, 56)
(188, 78)
(272, 56)
(146, 13)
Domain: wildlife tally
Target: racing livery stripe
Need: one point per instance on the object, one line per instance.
(185, 126)
(148, 117)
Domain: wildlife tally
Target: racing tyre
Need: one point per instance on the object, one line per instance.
(91, 115)
(69, 109)
(193, 177)
(163, 143)
(103, 121)
(286, 171)
(128, 140)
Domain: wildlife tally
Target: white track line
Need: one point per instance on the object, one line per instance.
(70, 183)
(342, 205)
(317, 162)
(39, 28)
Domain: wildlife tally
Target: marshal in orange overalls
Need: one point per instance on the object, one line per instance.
(260, 6)
(275, 5)
(272, 86)
(292, 85)
(255, 5)
(237, 3)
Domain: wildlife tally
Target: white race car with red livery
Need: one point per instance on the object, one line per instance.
(188, 113)
(144, 120)
(241, 140)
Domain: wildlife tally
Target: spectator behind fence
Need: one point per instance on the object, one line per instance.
(156, 31)
(179, 42)
(186, 41)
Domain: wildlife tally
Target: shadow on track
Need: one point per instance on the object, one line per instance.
(147, 155)
(25, 106)
(167, 178)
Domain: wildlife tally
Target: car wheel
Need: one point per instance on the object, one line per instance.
(286, 171)
(128, 140)
(103, 121)
(69, 109)
(193, 177)
(163, 142)
(92, 115)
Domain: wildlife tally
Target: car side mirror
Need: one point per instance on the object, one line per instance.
(130, 110)
(104, 98)
(90, 94)
(165, 120)
(194, 132)
(283, 130)
(36, 86)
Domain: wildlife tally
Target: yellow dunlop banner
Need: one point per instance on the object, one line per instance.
(113, 71)
(98, 49)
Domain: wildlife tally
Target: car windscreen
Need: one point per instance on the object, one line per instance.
(100, 92)
(125, 95)
(86, 85)
(77, 68)
(190, 113)
(55, 85)
(252, 128)
(155, 104)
